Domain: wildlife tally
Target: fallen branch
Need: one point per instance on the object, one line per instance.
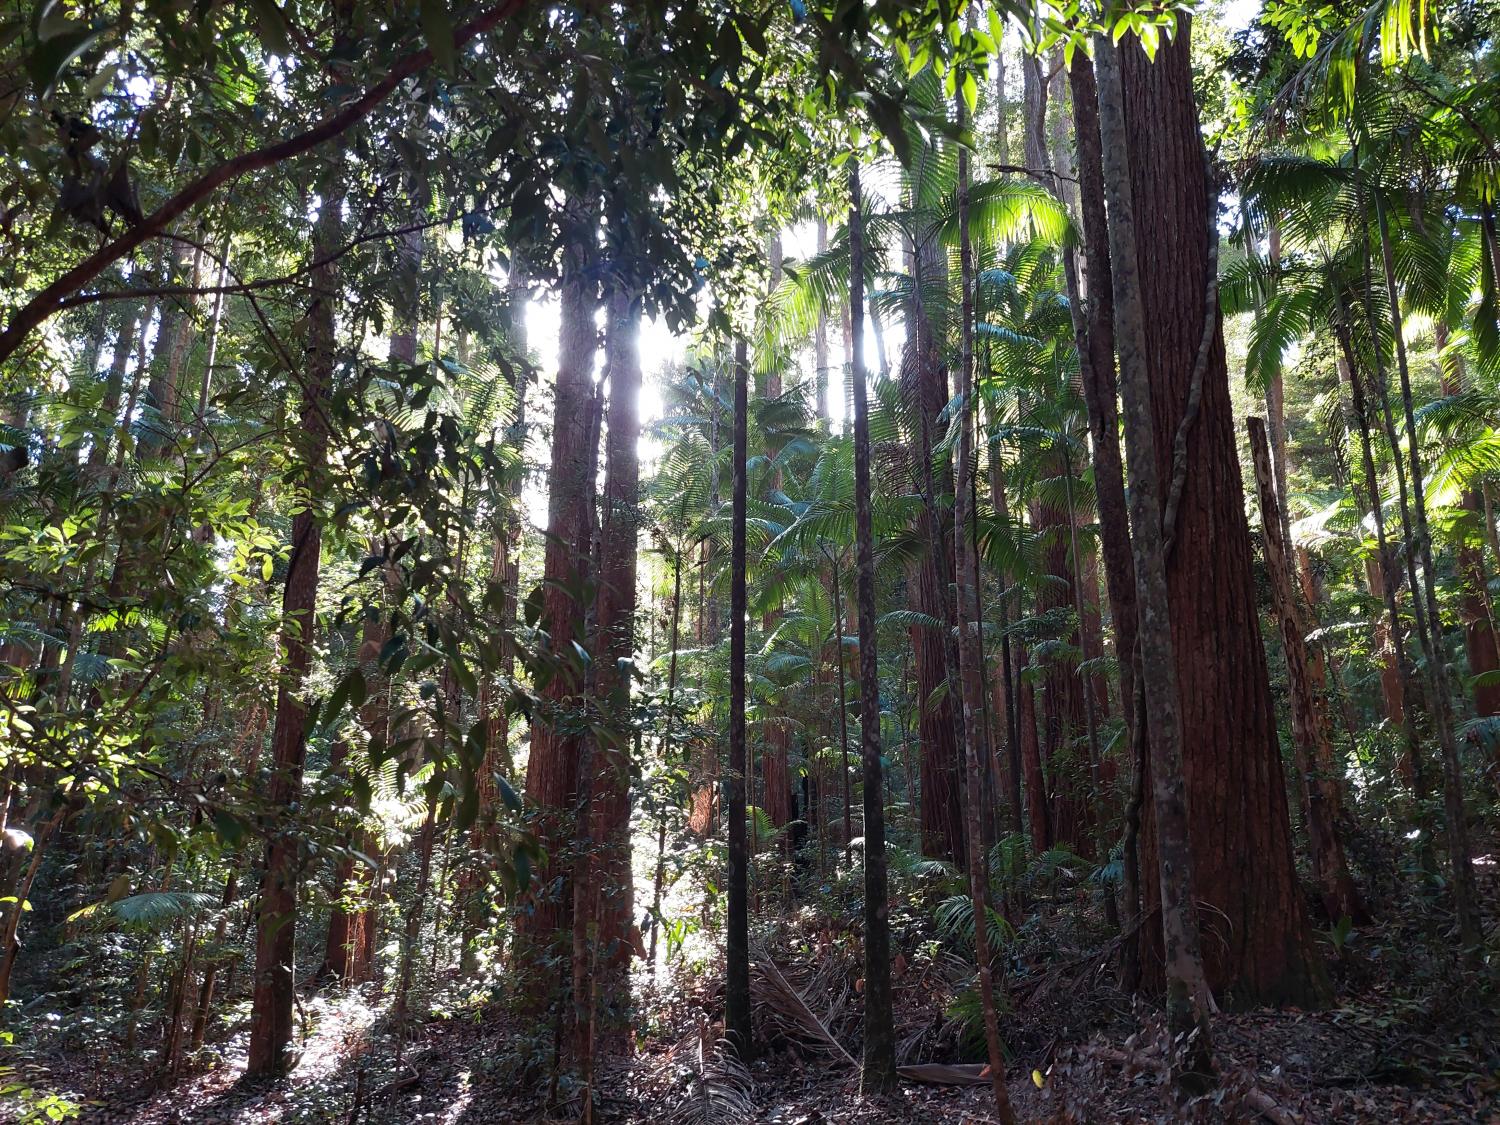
(947, 1074)
(783, 997)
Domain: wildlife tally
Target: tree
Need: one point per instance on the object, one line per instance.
(737, 935)
(276, 929)
(1187, 987)
(552, 768)
(604, 899)
(1316, 767)
(971, 685)
(1238, 830)
(879, 1072)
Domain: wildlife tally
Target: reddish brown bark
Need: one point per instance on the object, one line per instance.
(1256, 946)
(1064, 753)
(1319, 775)
(1038, 812)
(925, 385)
(552, 769)
(611, 886)
(272, 1008)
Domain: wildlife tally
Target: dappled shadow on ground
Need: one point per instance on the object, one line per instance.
(1414, 1037)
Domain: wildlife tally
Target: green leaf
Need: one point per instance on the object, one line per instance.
(508, 794)
(53, 55)
(437, 28)
(271, 27)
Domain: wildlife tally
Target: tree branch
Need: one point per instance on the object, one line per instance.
(50, 299)
(241, 286)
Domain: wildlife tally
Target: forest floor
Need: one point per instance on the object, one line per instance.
(1414, 1036)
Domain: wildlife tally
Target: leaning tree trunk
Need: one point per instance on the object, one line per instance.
(1239, 830)
(1319, 773)
(272, 1009)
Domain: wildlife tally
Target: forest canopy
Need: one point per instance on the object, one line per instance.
(712, 561)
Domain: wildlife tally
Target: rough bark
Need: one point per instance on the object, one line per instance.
(552, 768)
(611, 892)
(1319, 774)
(1186, 984)
(929, 589)
(1256, 947)
(1095, 328)
(272, 1009)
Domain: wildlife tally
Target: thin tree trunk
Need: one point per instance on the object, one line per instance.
(820, 346)
(737, 931)
(1460, 856)
(1318, 773)
(970, 621)
(273, 1008)
(879, 1063)
(666, 756)
(838, 641)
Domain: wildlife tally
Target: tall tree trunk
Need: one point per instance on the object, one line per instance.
(272, 1009)
(1067, 709)
(1319, 773)
(737, 930)
(1094, 325)
(879, 1063)
(1188, 999)
(552, 768)
(775, 766)
(1460, 855)
(1239, 831)
(929, 586)
(606, 887)
(971, 667)
(1038, 812)
(820, 346)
